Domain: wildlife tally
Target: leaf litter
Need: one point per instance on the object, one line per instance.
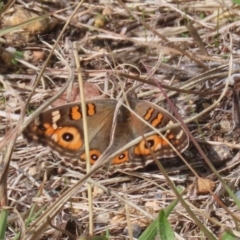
(200, 53)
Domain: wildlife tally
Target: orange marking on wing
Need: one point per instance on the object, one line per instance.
(49, 129)
(68, 137)
(170, 136)
(91, 109)
(123, 157)
(148, 115)
(157, 120)
(172, 139)
(34, 128)
(75, 113)
(94, 155)
(165, 143)
(176, 142)
(155, 142)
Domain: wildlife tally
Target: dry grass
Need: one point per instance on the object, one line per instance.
(188, 46)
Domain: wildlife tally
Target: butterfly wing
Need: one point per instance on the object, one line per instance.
(141, 154)
(61, 128)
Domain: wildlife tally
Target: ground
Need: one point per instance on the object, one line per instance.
(180, 56)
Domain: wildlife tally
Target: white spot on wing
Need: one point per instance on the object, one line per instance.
(36, 122)
(170, 123)
(54, 137)
(56, 116)
(159, 146)
(180, 134)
